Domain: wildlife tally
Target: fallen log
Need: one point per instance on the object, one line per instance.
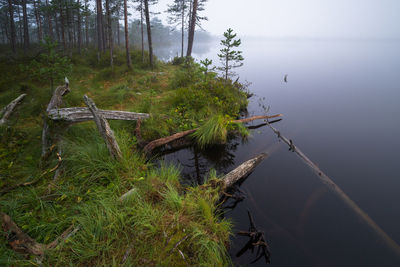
(165, 140)
(333, 187)
(80, 114)
(7, 110)
(242, 171)
(104, 129)
(23, 243)
(18, 240)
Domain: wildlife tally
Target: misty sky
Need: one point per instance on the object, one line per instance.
(303, 18)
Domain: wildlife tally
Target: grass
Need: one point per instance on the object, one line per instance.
(160, 213)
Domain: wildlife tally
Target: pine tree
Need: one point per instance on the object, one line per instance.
(229, 57)
(177, 17)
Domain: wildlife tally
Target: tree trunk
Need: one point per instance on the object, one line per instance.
(128, 56)
(50, 29)
(12, 27)
(26, 29)
(141, 28)
(147, 14)
(192, 27)
(38, 22)
(242, 171)
(110, 37)
(86, 25)
(6, 111)
(104, 129)
(118, 27)
(79, 114)
(21, 35)
(62, 28)
(99, 26)
(79, 28)
(183, 27)
(55, 102)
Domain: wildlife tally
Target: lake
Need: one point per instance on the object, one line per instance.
(341, 108)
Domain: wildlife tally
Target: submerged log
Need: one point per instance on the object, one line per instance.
(165, 140)
(242, 171)
(80, 114)
(333, 187)
(104, 129)
(7, 110)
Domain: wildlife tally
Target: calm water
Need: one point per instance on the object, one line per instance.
(341, 107)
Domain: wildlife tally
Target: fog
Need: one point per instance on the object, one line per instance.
(302, 18)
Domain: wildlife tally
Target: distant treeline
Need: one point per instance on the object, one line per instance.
(101, 24)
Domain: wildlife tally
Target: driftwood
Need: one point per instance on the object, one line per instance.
(242, 171)
(80, 114)
(22, 243)
(104, 129)
(7, 110)
(257, 239)
(342, 195)
(165, 140)
(55, 102)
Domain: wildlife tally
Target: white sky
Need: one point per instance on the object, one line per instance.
(302, 18)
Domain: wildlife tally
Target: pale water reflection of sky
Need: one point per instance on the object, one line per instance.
(302, 18)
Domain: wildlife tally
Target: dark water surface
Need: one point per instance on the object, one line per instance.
(341, 108)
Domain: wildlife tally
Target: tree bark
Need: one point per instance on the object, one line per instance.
(6, 111)
(242, 171)
(79, 27)
(12, 27)
(104, 129)
(26, 29)
(79, 114)
(62, 27)
(55, 102)
(183, 27)
(141, 28)
(38, 21)
(49, 22)
(22, 243)
(86, 24)
(99, 19)
(128, 56)
(147, 15)
(110, 37)
(192, 27)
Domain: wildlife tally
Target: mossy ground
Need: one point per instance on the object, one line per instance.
(146, 226)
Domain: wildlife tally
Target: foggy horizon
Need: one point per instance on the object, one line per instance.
(306, 19)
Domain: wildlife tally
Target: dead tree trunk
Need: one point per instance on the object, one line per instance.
(385, 238)
(55, 102)
(6, 112)
(104, 129)
(242, 171)
(22, 243)
(80, 114)
(165, 140)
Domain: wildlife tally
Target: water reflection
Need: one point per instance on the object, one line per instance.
(196, 162)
